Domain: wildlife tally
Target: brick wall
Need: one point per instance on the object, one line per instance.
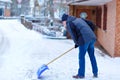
(117, 34)
(107, 37)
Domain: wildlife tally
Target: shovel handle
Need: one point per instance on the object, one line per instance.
(60, 56)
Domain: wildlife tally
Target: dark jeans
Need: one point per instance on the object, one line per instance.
(82, 51)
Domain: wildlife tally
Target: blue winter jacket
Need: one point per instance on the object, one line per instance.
(79, 30)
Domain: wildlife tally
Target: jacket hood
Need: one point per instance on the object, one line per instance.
(71, 18)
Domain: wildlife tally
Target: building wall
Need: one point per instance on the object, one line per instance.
(107, 37)
(7, 13)
(117, 33)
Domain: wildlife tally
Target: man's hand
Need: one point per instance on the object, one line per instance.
(76, 45)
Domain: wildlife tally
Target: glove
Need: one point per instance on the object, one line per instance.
(76, 45)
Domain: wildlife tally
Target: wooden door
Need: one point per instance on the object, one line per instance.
(88, 11)
(91, 15)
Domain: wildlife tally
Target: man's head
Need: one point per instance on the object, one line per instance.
(64, 19)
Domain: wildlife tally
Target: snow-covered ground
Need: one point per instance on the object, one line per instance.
(23, 51)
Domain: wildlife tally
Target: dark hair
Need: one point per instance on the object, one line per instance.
(64, 17)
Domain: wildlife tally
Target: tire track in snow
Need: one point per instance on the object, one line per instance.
(4, 43)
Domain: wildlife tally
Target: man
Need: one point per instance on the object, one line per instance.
(84, 38)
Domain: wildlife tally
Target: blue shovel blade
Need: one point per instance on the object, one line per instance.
(41, 70)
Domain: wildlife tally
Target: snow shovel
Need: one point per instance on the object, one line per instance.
(45, 66)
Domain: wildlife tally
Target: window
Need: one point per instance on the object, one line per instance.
(105, 17)
(98, 16)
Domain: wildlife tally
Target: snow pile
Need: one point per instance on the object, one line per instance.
(23, 51)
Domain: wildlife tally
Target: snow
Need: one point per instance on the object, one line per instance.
(6, 1)
(23, 51)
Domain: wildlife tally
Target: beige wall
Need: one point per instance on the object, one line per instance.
(107, 38)
(117, 34)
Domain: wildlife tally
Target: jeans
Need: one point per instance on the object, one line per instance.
(82, 51)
